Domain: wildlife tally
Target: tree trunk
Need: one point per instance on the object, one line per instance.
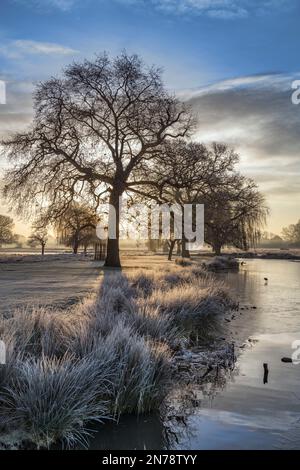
(184, 251)
(43, 249)
(172, 244)
(75, 246)
(217, 247)
(113, 248)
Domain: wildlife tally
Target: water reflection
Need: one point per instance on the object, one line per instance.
(266, 374)
(259, 408)
(142, 433)
(277, 301)
(166, 429)
(186, 399)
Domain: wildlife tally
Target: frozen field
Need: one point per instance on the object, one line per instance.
(56, 279)
(59, 282)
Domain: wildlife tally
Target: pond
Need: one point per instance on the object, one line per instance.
(254, 406)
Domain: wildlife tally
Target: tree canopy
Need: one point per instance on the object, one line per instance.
(77, 226)
(194, 173)
(38, 237)
(292, 233)
(93, 129)
(108, 127)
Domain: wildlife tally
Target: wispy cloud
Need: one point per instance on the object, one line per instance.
(225, 9)
(22, 47)
(260, 81)
(255, 115)
(220, 9)
(63, 5)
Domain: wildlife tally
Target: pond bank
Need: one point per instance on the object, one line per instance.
(265, 254)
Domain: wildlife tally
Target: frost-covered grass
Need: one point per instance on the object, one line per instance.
(7, 258)
(110, 354)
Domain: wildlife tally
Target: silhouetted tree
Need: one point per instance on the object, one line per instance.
(6, 229)
(93, 130)
(39, 236)
(292, 233)
(77, 226)
(235, 215)
(188, 173)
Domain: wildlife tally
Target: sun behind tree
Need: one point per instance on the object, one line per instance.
(93, 129)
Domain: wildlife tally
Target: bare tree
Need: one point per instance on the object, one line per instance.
(6, 229)
(292, 233)
(92, 131)
(89, 239)
(235, 215)
(77, 226)
(39, 236)
(188, 173)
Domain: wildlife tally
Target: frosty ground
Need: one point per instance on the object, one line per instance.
(59, 280)
(110, 354)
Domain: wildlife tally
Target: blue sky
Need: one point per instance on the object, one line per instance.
(196, 41)
(234, 59)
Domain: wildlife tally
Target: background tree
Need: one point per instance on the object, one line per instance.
(38, 237)
(292, 233)
(235, 215)
(18, 240)
(6, 229)
(92, 131)
(77, 226)
(188, 173)
(271, 240)
(89, 239)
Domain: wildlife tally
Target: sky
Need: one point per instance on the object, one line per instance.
(233, 60)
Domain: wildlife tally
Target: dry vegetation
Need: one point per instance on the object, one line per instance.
(109, 355)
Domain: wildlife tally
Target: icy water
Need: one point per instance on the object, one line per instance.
(248, 409)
